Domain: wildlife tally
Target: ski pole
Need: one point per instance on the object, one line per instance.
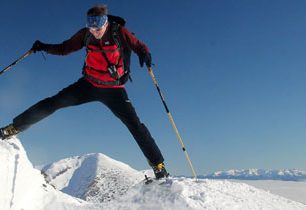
(172, 121)
(29, 52)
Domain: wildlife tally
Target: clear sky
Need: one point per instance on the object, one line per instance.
(233, 73)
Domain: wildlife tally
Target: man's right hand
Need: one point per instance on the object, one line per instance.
(145, 58)
(38, 46)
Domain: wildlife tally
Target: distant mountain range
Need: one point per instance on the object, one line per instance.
(259, 174)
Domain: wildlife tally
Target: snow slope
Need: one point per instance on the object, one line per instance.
(289, 189)
(23, 187)
(289, 183)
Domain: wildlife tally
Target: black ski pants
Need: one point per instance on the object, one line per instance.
(116, 99)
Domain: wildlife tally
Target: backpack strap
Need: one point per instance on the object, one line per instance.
(125, 51)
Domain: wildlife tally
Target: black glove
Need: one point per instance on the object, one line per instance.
(145, 58)
(38, 46)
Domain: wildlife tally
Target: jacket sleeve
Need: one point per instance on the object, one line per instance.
(133, 42)
(76, 42)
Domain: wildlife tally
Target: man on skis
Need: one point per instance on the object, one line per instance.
(106, 69)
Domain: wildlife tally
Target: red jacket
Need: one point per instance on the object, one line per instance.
(95, 64)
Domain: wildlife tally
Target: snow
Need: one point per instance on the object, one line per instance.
(92, 177)
(289, 183)
(290, 189)
(23, 187)
(207, 194)
(95, 181)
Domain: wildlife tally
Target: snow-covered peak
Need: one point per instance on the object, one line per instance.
(92, 177)
(259, 174)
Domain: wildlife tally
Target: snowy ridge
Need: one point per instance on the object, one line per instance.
(259, 174)
(93, 175)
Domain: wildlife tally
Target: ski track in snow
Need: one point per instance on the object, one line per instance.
(14, 179)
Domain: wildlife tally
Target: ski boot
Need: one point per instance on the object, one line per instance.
(160, 171)
(8, 131)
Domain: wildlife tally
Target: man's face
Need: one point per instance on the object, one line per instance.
(98, 32)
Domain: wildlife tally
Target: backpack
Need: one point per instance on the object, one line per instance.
(115, 23)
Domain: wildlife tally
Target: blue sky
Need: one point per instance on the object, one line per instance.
(233, 73)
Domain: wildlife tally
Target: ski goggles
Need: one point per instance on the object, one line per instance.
(96, 22)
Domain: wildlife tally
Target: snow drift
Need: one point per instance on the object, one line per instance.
(23, 187)
(108, 184)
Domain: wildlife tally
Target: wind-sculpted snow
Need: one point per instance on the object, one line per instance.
(23, 187)
(107, 184)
